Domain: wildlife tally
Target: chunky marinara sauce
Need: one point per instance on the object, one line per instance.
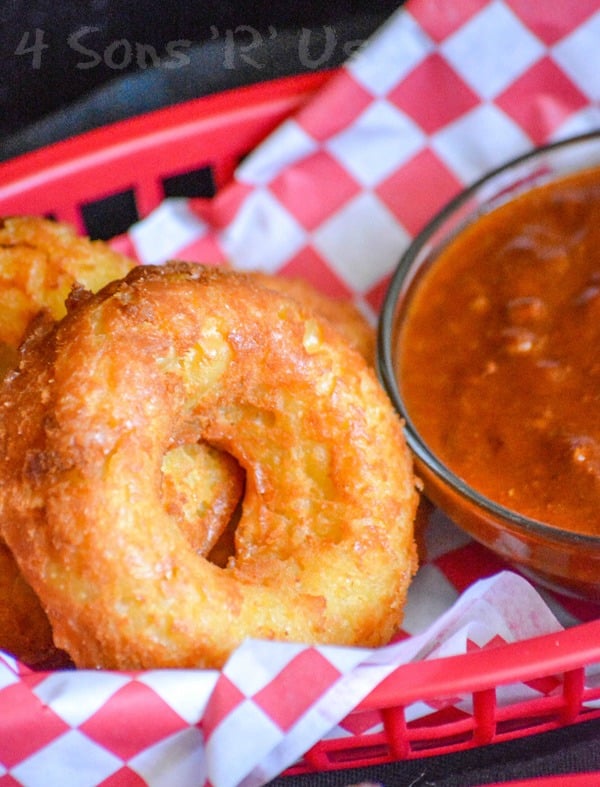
(500, 356)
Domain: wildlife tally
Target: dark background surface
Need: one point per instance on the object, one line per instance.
(70, 66)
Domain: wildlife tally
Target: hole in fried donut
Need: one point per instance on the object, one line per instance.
(201, 488)
(225, 547)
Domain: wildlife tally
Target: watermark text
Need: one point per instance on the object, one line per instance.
(243, 46)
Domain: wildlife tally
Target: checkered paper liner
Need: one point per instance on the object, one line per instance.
(241, 726)
(440, 95)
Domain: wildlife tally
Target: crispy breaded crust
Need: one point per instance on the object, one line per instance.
(345, 317)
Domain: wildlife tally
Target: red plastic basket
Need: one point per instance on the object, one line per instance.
(138, 157)
(141, 156)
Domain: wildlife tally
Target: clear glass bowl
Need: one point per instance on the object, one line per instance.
(559, 559)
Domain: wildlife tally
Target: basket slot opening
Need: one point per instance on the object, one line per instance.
(352, 755)
(443, 729)
(110, 216)
(195, 183)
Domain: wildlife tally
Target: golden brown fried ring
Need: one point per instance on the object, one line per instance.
(324, 546)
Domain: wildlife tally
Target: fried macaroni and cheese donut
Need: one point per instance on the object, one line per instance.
(172, 355)
(41, 261)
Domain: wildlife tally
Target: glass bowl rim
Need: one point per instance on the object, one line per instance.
(385, 364)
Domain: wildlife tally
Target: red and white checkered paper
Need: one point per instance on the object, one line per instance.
(445, 91)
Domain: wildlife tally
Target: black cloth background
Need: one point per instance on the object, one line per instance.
(71, 66)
